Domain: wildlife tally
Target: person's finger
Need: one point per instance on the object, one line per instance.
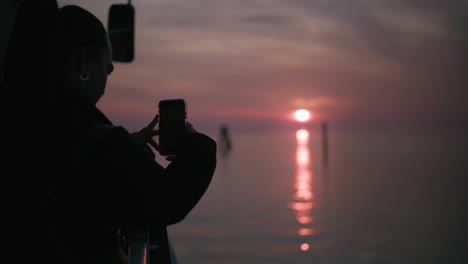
(154, 121)
(153, 144)
(154, 133)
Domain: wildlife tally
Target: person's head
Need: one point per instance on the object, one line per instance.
(87, 52)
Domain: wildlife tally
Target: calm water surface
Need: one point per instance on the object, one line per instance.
(381, 199)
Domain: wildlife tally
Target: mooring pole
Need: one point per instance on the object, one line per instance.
(324, 142)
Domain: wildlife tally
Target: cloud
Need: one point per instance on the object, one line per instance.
(315, 102)
(371, 59)
(381, 35)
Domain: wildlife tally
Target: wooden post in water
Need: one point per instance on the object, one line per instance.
(324, 143)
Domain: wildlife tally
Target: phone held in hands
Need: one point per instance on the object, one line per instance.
(172, 119)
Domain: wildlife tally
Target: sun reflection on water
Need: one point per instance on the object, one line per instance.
(303, 203)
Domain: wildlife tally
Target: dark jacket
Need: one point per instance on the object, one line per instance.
(113, 177)
(106, 179)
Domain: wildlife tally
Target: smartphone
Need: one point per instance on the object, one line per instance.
(172, 119)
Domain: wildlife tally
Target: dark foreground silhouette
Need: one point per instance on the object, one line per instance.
(93, 177)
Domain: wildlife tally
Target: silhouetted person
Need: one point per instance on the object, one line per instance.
(225, 142)
(106, 176)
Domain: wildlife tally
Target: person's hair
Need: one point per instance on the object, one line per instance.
(81, 29)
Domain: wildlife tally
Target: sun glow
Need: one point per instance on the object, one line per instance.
(302, 115)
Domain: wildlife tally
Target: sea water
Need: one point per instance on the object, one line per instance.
(378, 198)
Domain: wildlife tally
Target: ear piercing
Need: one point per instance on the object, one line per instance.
(84, 76)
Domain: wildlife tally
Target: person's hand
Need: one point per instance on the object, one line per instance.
(145, 136)
(188, 129)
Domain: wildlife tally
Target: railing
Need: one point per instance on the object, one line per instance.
(150, 245)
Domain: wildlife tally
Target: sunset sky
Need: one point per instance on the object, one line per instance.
(251, 63)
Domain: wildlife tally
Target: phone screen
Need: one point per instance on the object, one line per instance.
(172, 118)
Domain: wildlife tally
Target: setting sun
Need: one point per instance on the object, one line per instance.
(302, 115)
